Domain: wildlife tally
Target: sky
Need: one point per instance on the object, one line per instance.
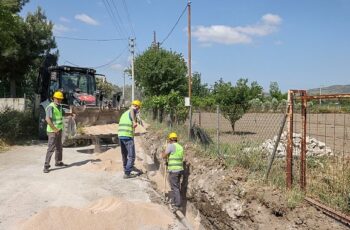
(299, 44)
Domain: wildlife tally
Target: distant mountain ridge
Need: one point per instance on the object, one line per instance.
(333, 89)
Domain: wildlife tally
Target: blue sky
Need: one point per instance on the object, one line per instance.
(300, 44)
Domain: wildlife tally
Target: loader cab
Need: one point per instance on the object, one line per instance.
(72, 81)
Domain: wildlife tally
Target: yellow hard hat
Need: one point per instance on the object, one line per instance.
(58, 95)
(136, 102)
(172, 136)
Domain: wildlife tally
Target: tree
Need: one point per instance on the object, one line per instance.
(274, 90)
(233, 100)
(106, 87)
(25, 45)
(199, 89)
(158, 71)
(256, 91)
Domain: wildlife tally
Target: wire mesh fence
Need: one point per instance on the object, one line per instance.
(327, 129)
(252, 130)
(255, 137)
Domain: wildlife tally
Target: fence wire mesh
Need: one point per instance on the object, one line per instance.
(250, 142)
(327, 152)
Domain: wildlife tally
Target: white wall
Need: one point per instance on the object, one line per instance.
(13, 103)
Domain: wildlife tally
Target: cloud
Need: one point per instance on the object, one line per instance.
(117, 67)
(59, 29)
(63, 19)
(227, 35)
(86, 19)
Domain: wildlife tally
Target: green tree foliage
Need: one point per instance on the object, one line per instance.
(199, 89)
(233, 100)
(275, 92)
(256, 91)
(24, 43)
(106, 87)
(158, 71)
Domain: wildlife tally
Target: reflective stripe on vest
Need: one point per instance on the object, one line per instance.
(125, 128)
(175, 161)
(57, 118)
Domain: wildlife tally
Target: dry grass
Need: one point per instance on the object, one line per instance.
(3, 146)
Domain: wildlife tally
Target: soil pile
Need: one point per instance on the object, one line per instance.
(106, 213)
(110, 161)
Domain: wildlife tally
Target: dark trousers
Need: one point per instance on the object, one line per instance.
(127, 147)
(174, 181)
(54, 145)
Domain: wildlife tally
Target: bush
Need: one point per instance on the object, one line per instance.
(16, 126)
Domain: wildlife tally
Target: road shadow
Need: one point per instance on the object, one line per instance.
(184, 185)
(103, 149)
(79, 163)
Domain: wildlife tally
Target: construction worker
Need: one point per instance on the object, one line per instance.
(127, 125)
(174, 154)
(54, 119)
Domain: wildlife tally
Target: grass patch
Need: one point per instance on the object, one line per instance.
(294, 198)
(3, 146)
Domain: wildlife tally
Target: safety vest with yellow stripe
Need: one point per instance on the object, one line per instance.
(57, 117)
(125, 128)
(175, 161)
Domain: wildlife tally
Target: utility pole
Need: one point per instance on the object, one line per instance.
(320, 94)
(189, 51)
(125, 70)
(189, 68)
(132, 51)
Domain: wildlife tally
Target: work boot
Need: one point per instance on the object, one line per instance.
(46, 170)
(60, 164)
(128, 176)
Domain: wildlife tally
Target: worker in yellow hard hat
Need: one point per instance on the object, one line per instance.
(54, 119)
(126, 128)
(174, 154)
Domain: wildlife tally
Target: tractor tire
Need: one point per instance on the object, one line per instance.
(42, 124)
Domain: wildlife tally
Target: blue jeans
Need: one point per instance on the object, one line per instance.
(127, 147)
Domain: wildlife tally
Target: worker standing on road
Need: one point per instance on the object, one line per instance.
(54, 119)
(175, 154)
(127, 125)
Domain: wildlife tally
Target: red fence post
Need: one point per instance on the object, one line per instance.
(289, 157)
(303, 142)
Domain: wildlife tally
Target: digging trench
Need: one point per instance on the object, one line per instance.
(216, 197)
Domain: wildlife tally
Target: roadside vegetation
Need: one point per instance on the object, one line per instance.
(16, 127)
(331, 191)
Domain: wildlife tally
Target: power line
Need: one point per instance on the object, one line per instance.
(112, 16)
(104, 65)
(69, 63)
(128, 17)
(172, 29)
(89, 39)
(113, 60)
(118, 15)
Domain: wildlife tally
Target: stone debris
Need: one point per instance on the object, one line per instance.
(314, 147)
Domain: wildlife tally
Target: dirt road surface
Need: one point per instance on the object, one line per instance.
(75, 197)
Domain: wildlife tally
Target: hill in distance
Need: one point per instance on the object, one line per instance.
(333, 89)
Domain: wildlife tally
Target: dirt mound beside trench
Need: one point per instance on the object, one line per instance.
(106, 213)
(226, 198)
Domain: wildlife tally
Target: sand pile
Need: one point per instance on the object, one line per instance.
(110, 129)
(110, 161)
(106, 213)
